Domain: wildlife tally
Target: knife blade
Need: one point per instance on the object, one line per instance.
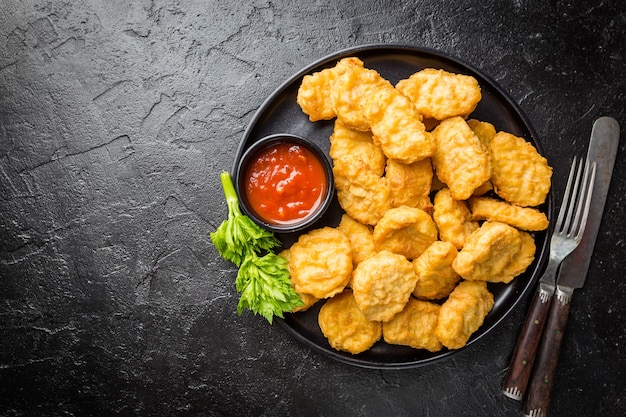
(573, 271)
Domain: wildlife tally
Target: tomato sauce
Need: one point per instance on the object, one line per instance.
(285, 183)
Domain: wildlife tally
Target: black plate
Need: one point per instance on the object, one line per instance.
(281, 114)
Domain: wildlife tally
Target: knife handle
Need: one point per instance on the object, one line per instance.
(521, 365)
(542, 381)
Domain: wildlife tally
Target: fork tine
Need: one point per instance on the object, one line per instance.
(568, 198)
(590, 179)
(573, 212)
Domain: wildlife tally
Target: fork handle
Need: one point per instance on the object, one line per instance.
(521, 365)
(542, 381)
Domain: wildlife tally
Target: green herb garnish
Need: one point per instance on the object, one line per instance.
(263, 277)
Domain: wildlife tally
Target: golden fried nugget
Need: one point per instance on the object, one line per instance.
(439, 94)
(353, 144)
(321, 262)
(453, 218)
(520, 175)
(522, 259)
(361, 238)
(307, 299)
(397, 127)
(463, 313)
(383, 284)
(414, 326)
(483, 189)
(436, 278)
(525, 218)
(460, 160)
(353, 83)
(484, 131)
(410, 183)
(345, 326)
(487, 252)
(364, 195)
(314, 95)
(363, 100)
(407, 231)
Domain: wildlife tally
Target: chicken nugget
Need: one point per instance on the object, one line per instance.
(383, 284)
(463, 313)
(353, 83)
(436, 278)
(483, 189)
(364, 195)
(525, 218)
(363, 100)
(522, 259)
(361, 238)
(484, 131)
(487, 252)
(410, 183)
(320, 262)
(407, 231)
(414, 326)
(349, 144)
(397, 127)
(345, 326)
(439, 94)
(307, 299)
(520, 174)
(314, 95)
(453, 218)
(460, 160)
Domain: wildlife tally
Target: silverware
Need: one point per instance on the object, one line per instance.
(566, 235)
(602, 151)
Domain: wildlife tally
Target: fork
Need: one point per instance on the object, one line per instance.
(567, 234)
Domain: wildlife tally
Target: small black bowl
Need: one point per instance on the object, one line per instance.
(252, 153)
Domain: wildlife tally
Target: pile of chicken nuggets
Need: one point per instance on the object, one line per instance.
(436, 206)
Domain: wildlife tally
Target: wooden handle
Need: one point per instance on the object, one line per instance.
(523, 358)
(542, 381)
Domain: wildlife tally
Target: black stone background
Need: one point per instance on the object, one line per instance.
(116, 118)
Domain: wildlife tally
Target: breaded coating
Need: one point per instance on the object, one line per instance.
(314, 95)
(439, 94)
(453, 218)
(347, 144)
(321, 262)
(525, 218)
(363, 100)
(436, 278)
(361, 238)
(460, 159)
(487, 252)
(484, 131)
(522, 260)
(364, 195)
(353, 84)
(407, 231)
(520, 174)
(463, 313)
(410, 183)
(483, 189)
(307, 299)
(383, 284)
(345, 326)
(414, 326)
(397, 127)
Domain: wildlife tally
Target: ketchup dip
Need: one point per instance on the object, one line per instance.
(285, 183)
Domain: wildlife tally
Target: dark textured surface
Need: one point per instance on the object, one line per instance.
(115, 121)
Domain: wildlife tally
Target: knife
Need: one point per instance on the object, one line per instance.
(573, 272)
